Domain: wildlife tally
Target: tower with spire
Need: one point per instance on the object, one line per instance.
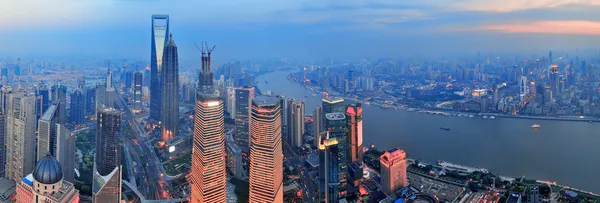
(170, 92)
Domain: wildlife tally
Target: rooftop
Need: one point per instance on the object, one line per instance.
(49, 113)
(333, 100)
(265, 101)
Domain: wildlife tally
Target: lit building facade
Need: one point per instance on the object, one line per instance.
(208, 176)
(106, 183)
(46, 184)
(266, 154)
(160, 29)
(234, 160)
(355, 132)
(170, 92)
(137, 91)
(393, 171)
(243, 103)
(333, 172)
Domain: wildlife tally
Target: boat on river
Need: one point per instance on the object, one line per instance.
(536, 126)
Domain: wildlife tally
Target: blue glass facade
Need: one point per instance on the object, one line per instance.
(160, 30)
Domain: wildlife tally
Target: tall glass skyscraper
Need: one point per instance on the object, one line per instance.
(355, 139)
(160, 29)
(243, 103)
(137, 92)
(106, 185)
(208, 178)
(77, 107)
(266, 155)
(333, 170)
(170, 92)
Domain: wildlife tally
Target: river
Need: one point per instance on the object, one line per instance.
(562, 151)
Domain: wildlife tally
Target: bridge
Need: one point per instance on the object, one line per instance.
(135, 190)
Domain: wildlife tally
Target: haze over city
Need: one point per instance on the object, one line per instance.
(305, 29)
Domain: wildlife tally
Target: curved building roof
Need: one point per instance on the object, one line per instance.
(48, 170)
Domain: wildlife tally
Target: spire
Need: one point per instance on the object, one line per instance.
(171, 41)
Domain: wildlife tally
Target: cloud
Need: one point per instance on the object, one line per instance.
(548, 27)
(517, 5)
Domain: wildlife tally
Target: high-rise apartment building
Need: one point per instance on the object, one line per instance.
(170, 92)
(20, 129)
(208, 176)
(266, 155)
(243, 103)
(77, 114)
(137, 92)
(106, 186)
(393, 171)
(354, 135)
(160, 29)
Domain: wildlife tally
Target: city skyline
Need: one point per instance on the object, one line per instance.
(434, 27)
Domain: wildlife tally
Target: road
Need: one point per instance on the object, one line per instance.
(307, 183)
(153, 185)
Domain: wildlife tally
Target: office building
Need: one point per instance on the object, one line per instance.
(554, 79)
(170, 92)
(333, 172)
(355, 173)
(231, 102)
(160, 29)
(90, 101)
(100, 96)
(77, 107)
(332, 105)
(128, 80)
(297, 123)
(208, 175)
(137, 92)
(317, 125)
(59, 97)
(393, 171)
(43, 93)
(243, 103)
(106, 184)
(2, 144)
(354, 135)
(109, 96)
(20, 129)
(65, 151)
(234, 161)
(46, 184)
(266, 155)
(46, 140)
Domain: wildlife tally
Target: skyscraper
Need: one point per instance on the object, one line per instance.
(554, 79)
(106, 186)
(393, 171)
(317, 125)
(266, 155)
(77, 107)
(90, 101)
(128, 79)
(243, 103)
(65, 151)
(170, 92)
(59, 97)
(109, 95)
(137, 92)
(333, 158)
(42, 91)
(354, 121)
(46, 140)
(160, 29)
(208, 176)
(20, 140)
(332, 105)
(2, 144)
(297, 120)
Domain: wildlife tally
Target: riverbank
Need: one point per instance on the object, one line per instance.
(382, 105)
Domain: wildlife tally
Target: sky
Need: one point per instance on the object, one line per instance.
(261, 29)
